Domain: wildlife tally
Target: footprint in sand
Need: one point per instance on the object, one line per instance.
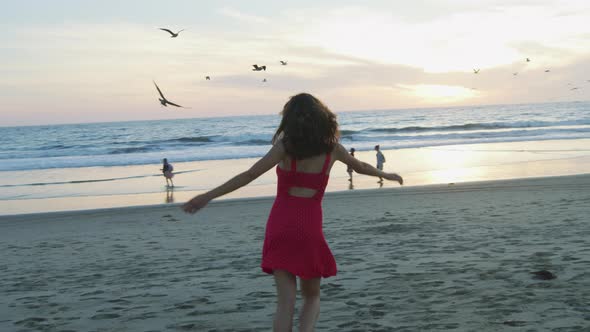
(185, 327)
(184, 306)
(543, 275)
(203, 312)
(376, 313)
(250, 306)
(169, 216)
(31, 321)
(105, 316)
(31, 306)
(97, 292)
(119, 301)
(142, 316)
(191, 303)
(515, 323)
(331, 289)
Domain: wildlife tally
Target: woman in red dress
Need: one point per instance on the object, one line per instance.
(305, 146)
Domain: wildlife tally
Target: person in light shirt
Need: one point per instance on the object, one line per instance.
(380, 160)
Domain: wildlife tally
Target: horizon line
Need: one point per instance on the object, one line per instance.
(261, 115)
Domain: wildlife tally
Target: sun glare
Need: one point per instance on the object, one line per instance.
(439, 93)
(452, 43)
(452, 166)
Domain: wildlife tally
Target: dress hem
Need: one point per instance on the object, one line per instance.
(269, 270)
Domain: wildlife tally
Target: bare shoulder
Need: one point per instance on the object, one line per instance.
(272, 157)
(276, 152)
(339, 152)
(278, 147)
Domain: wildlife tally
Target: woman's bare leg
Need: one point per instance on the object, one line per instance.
(286, 295)
(310, 290)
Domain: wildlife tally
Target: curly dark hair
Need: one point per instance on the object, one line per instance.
(308, 127)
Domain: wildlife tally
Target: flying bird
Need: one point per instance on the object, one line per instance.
(547, 70)
(173, 35)
(264, 80)
(207, 78)
(165, 102)
(258, 68)
(528, 60)
(284, 63)
(574, 88)
(476, 71)
(515, 73)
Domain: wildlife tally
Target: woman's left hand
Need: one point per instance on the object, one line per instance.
(195, 204)
(394, 177)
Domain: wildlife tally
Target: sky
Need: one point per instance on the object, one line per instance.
(95, 61)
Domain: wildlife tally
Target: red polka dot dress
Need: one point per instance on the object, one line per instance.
(294, 240)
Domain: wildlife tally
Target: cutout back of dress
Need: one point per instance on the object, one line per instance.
(301, 184)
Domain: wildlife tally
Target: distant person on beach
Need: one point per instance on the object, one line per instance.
(349, 168)
(167, 171)
(305, 146)
(380, 161)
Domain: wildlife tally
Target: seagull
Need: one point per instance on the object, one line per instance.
(528, 60)
(284, 63)
(207, 78)
(515, 73)
(574, 88)
(257, 68)
(476, 71)
(163, 100)
(547, 70)
(173, 35)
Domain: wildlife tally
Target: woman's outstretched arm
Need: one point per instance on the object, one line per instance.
(363, 168)
(273, 157)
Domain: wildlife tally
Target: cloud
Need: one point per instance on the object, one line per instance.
(457, 41)
(243, 17)
(357, 57)
(435, 93)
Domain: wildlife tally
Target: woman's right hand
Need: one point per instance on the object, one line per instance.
(195, 204)
(394, 177)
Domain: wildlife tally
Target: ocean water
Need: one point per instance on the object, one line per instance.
(85, 161)
(147, 142)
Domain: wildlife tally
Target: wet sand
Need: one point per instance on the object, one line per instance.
(433, 258)
(144, 185)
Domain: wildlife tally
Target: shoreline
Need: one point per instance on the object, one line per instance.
(329, 196)
(418, 166)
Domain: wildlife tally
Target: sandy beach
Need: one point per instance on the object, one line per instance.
(115, 114)
(425, 258)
